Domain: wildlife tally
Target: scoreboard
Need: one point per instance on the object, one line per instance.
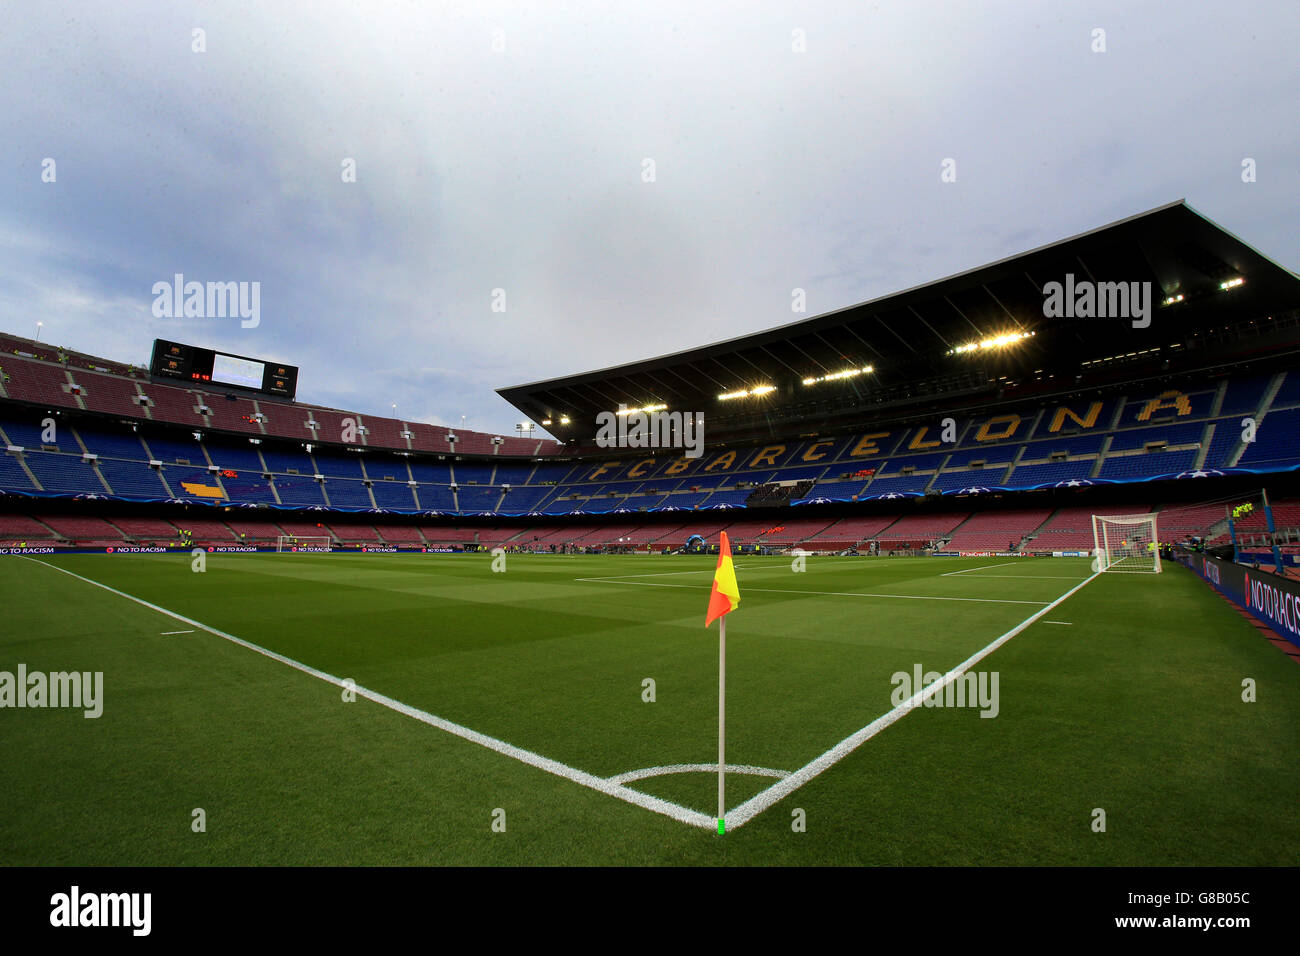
(189, 363)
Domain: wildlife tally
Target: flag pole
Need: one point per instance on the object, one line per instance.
(722, 710)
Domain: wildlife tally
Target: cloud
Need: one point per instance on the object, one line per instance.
(524, 169)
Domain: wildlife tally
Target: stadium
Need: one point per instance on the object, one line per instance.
(498, 468)
(312, 624)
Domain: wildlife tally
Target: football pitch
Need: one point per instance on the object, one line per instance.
(426, 710)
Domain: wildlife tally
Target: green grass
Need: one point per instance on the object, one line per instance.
(1135, 707)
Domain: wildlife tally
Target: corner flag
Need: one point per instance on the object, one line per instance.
(723, 599)
(725, 596)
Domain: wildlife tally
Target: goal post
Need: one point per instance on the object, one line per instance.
(300, 542)
(1126, 543)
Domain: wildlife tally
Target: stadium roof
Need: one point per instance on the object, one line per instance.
(917, 334)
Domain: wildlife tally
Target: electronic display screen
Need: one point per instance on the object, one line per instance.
(173, 360)
(229, 370)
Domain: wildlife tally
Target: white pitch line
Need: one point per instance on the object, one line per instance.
(868, 594)
(771, 566)
(656, 574)
(581, 777)
(1066, 623)
(948, 574)
(664, 574)
(782, 789)
(165, 633)
(1032, 577)
(740, 768)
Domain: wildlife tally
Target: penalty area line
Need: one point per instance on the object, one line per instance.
(783, 788)
(864, 594)
(665, 574)
(1004, 564)
(772, 566)
(1033, 577)
(581, 777)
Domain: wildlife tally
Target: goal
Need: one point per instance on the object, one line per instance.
(1127, 543)
(299, 542)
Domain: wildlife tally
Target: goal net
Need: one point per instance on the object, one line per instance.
(298, 542)
(1126, 543)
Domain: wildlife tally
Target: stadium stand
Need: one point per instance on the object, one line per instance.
(435, 534)
(848, 533)
(919, 531)
(1178, 521)
(39, 382)
(724, 479)
(107, 393)
(1277, 441)
(996, 530)
(28, 432)
(354, 533)
(147, 530)
(491, 537)
(1286, 514)
(252, 532)
(129, 479)
(84, 531)
(401, 535)
(1070, 529)
(906, 456)
(19, 528)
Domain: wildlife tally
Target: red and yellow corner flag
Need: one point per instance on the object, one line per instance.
(725, 596)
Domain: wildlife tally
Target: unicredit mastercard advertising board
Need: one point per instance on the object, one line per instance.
(1274, 600)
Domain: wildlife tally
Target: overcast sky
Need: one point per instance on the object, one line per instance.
(505, 146)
